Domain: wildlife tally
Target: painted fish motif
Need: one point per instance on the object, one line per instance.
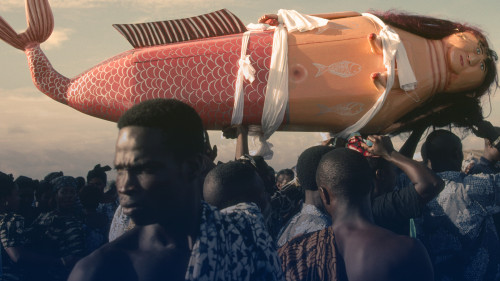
(343, 69)
(201, 73)
(345, 109)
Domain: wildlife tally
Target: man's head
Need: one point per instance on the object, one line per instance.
(283, 177)
(344, 178)
(490, 151)
(442, 151)
(27, 187)
(235, 182)
(98, 177)
(307, 165)
(158, 158)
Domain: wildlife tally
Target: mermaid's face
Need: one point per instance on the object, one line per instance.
(466, 61)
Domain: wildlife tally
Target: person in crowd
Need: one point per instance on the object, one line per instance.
(59, 232)
(487, 163)
(27, 187)
(457, 227)
(312, 216)
(392, 207)
(283, 177)
(108, 204)
(353, 248)
(95, 224)
(80, 183)
(97, 176)
(17, 260)
(177, 236)
(235, 182)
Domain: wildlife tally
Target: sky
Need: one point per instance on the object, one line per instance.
(39, 135)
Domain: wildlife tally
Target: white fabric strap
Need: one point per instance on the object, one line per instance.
(393, 50)
(245, 71)
(277, 85)
(276, 98)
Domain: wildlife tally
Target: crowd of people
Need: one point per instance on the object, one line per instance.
(356, 210)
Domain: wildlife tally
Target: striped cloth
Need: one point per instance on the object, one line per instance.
(214, 24)
(312, 257)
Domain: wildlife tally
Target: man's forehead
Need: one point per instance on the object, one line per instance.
(136, 136)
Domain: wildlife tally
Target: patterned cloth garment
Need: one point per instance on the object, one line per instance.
(120, 224)
(484, 166)
(309, 219)
(58, 235)
(285, 203)
(458, 231)
(233, 244)
(312, 257)
(12, 235)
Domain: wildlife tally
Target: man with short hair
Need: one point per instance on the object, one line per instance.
(312, 216)
(234, 182)
(353, 248)
(457, 227)
(177, 236)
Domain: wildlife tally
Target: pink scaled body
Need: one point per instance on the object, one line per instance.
(201, 73)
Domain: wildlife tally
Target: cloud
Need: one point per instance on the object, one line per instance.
(57, 38)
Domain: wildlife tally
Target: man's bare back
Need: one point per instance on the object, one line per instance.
(374, 253)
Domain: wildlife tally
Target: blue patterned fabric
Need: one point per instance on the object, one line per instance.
(484, 166)
(309, 219)
(233, 244)
(458, 231)
(12, 234)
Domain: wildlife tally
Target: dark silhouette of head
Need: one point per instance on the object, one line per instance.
(344, 176)
(7, 186)
(442, 151)
(90, 196)
(97, 176)
(307, 164)
(27, 187)
(265, 171)
(234, 182)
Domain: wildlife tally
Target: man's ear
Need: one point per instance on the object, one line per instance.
(325, 196)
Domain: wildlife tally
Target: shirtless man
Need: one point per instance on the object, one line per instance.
(177, 236)
(353, 248)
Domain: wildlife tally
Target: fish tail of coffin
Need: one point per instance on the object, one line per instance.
(40, 26)
(45, 77)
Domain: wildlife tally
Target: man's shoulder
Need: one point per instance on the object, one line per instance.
(106, 263)
(399, 257)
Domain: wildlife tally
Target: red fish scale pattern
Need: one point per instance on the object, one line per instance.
(46, 79)
(201, 73)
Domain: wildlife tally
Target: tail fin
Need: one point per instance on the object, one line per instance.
(40, 25)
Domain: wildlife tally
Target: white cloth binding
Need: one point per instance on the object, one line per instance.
(393, 50)
(276, 99)
(245, 71)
